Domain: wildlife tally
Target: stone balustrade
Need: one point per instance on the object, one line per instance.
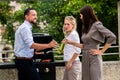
(111, 71)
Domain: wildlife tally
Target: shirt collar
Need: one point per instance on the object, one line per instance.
(28, 23)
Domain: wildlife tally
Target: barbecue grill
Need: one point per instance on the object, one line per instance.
(44, 61)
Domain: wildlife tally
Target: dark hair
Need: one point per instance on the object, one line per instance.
(27, 11)
(89, 18)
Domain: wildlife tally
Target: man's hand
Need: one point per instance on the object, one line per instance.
(52, 44)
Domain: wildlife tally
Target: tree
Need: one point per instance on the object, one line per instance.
(5, 20)
(52, 12)
(4, 12)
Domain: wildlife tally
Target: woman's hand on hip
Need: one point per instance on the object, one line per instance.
(95, 51)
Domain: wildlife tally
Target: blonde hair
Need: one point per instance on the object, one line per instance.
(72, 21)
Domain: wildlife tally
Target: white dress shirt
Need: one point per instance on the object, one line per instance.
(23, 41)
(69, 50)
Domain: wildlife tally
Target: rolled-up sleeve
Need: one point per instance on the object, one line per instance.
(27, 36)
(111, 38)
(75, 38)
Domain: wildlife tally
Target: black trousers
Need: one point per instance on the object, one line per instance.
(26, 70)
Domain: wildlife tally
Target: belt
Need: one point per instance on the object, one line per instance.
(23, 58)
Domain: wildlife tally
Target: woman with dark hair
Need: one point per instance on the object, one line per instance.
(93, 34)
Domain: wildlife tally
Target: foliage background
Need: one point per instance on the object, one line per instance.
(52, 12)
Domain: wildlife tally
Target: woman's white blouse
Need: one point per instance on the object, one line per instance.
(69, 50)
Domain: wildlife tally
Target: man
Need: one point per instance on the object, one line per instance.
(24, 47)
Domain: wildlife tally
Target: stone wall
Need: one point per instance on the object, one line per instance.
(111, 71)
(8, 74)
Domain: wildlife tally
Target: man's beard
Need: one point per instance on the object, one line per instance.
(32, 22)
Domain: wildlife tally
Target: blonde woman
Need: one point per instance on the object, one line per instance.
(71, 53)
